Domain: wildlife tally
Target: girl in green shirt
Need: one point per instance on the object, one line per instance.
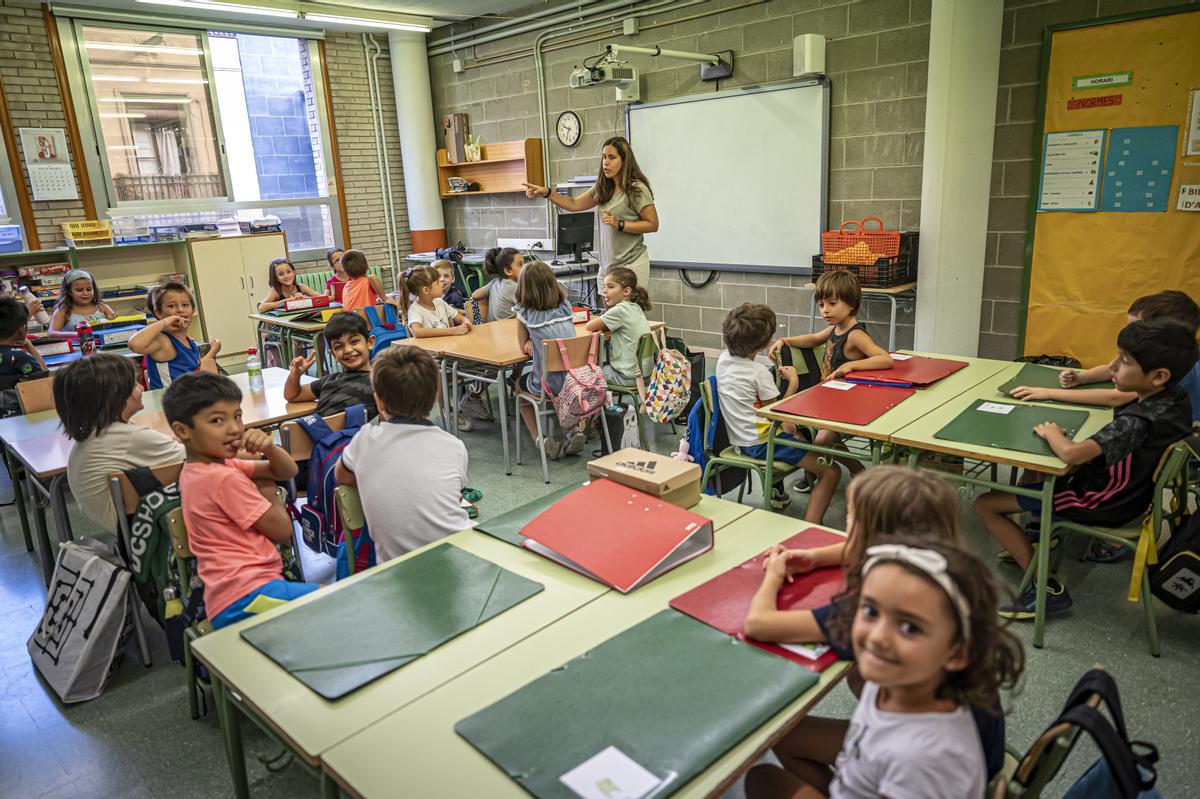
(625, 319)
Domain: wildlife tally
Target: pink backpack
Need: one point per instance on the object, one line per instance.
(584, 392)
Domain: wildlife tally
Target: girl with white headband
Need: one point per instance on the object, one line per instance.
(921, 615)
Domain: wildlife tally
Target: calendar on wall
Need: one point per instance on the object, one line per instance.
(48, 164)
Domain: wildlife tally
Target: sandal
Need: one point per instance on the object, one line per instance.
(1102, 551)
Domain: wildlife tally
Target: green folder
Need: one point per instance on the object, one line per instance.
(507, 526)
(1036, 376)
(673, 694)
(987, 424)
(347, 638)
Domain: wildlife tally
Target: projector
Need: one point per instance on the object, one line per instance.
(619, 74)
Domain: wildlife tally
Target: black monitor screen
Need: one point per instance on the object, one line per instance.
(574, 234)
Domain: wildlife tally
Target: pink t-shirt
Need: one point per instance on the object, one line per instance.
(220, 506)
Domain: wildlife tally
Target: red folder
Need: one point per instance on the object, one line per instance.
(908, 370)
(723, 601)
(841, 401)
(617, 535)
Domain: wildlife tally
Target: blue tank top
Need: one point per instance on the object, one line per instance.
(187, 359)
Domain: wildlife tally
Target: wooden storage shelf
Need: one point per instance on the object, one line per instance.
(503, 167)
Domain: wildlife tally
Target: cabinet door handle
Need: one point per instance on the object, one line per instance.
(243, 283)
(252, 283)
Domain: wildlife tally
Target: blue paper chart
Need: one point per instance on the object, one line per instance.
(1137, 172)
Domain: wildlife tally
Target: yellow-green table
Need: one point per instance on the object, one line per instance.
(415, 751)
(921, 436)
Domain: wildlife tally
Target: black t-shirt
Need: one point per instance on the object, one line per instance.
(337, 392)
(17, 362)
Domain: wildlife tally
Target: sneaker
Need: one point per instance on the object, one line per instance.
(552, 447)
(803, 485)
(1102, 551)
(780, 499)
(465, 425)
(1057, 601)
(575, 441)
(474, 406)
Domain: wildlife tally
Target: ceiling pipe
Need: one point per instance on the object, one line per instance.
(454, 38)
(564, 18)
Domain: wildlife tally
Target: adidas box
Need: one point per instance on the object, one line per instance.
(677, 482)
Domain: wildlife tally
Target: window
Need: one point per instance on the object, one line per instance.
(202, 124)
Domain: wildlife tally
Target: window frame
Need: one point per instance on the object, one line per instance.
(87, 109)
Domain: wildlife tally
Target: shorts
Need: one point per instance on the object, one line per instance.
(613, 377)
(276, 589)
(1091, 516)
(528, 382)
(789, 455)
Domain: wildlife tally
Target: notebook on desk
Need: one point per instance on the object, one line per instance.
(908, 370)
(1036, 376)
(639, 715)
(723, 601)
(848, 403)
(1008, 425)
(617, 535)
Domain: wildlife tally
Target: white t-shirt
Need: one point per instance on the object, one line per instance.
(117, 448)
(439, 316)
(410, 480)
(908, 755)
(742, 385)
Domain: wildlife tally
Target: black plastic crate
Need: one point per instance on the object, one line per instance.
(884, 273)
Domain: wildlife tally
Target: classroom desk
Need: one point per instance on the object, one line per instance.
(920, 436)
(37, 441)
(893, 294)
(881, 430)
(418, 748)
(311, 725)
(54, 362)
(583, 273)
(290, 330)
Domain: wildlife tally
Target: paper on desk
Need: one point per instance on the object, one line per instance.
(612, 774)
(810, 651)
(840, 385)
(995, 407)
(896, 356)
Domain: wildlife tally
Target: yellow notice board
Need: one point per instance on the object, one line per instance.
(1123, 81)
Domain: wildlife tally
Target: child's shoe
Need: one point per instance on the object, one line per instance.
(474, 406)
(551, 446)
(1025, 609)
(465, 425)
(803, 485)
(780, 499)
(575, 441)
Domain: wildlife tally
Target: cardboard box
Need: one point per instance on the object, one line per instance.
(677, 482)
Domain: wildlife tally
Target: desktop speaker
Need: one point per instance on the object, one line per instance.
(808, 55)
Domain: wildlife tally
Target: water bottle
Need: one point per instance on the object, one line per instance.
(87, 342)
(254, 369)
(42, 317)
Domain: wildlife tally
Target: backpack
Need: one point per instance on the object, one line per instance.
(584, 391)
(703, 443)
(319, 521)
(385, 330)
(78, 641)
(1063, 361)
(670, 384)
(696, 361)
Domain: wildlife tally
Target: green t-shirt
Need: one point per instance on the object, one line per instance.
(627, 323)
(625, 248)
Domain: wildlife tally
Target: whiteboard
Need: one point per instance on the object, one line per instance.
(739, 176)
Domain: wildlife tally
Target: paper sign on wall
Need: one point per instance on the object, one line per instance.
(1193, 128)
(1071, 162)
(1137, 172)
(1189, 198)
(1104, 81)
(46, 160)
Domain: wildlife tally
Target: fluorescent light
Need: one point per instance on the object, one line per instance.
(172, 101)
(189, 81)
(117, 78)
(143, 48)
(364, 22)
(122, 116)
(232, 8)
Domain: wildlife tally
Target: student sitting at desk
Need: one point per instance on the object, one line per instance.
(431, 466)
(169, 350)
(430, 315)
(362, 289)
(500, 295)
(351, 342)
(451, 293)
(78, 301)
(19, 359)
(232, 527)
(337, 282)
(96, 397)
(281, 275)
(625, 319)
(1115, 482)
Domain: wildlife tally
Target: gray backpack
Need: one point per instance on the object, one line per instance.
(77, 644)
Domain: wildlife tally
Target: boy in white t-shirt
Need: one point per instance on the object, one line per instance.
(743, 385)
(410, 474)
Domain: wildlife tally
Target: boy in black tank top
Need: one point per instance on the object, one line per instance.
(848, 345)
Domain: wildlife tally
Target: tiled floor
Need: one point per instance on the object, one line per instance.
(137, 740)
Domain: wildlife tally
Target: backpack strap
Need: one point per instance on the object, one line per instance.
(562, 349)
(143, 480)
(593, 348)
(1124, 764)
(356, 416)
(1099, 681)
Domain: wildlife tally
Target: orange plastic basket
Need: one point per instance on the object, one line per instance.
(879, 243)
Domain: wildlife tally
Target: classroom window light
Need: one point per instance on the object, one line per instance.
(117, 78)
(143, 48)
(367, 22)
(232, 8)
(178, 100)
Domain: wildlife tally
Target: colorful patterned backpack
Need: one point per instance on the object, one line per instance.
(670, 383)
(584, 391)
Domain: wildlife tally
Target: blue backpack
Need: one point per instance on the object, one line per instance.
(385, 330)
(319, 520)
(703, 443)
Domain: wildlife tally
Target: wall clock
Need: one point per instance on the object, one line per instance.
(569, 128)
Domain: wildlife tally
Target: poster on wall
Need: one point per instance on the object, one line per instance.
(49, 167)
(1193, 128)
(1137, 173)
(1071, 162)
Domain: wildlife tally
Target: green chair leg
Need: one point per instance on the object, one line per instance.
(1151, 622)
(189, 665)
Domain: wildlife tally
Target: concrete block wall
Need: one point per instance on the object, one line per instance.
(27, 72)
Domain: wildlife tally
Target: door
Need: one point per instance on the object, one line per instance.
(223, 292)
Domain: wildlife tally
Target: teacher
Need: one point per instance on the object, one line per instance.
(626, 203)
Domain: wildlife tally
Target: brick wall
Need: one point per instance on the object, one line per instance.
(27, 73)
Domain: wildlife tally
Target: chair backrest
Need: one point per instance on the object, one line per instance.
(1042, 762)
(471, 276)
(807, 363)
(36, 395)
(577, 351)
(296, 442)
(314, 280)
(129, 496)
(350, 507)
(179, 535)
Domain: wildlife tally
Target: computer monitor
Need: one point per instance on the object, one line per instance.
(574, 234)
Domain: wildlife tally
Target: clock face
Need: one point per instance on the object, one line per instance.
(569, 128)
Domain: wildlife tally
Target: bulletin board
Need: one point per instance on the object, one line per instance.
(1118, 165)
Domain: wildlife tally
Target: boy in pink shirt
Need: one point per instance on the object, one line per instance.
(232, 527)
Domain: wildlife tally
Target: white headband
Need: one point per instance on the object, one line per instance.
(929, 563)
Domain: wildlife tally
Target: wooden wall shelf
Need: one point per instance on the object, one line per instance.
(502, 170)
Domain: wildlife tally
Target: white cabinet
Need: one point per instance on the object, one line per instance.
(231, 279)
